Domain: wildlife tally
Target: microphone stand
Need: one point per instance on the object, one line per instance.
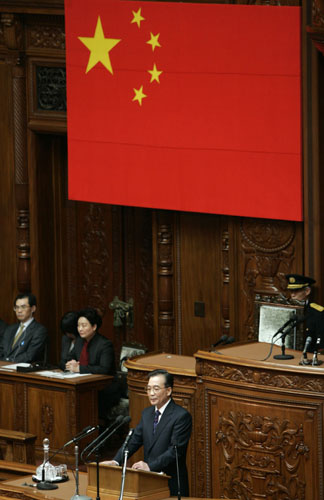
(178, 475)
(283, 355)
(96, 447)
(97, 467)
(77, 496)
(125, 458)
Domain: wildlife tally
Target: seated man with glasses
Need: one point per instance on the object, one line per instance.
(163, 426)
(25, 341)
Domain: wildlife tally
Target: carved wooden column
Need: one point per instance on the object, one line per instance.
(313, 69)
(163, 271)
(13, 35)
(316, 29)
(225, 307)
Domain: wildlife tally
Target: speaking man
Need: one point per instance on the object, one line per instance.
(25, 341)
(163, 425)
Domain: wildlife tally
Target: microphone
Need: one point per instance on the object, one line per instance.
(315, 361)
(229, 340)
(175, 446)
(293, 317)
(85, 432)
(129, 435)
(304, 360)
(292, 322)
(307, 344)
(221, 340)
(100, 440)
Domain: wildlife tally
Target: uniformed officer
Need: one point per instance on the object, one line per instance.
(300, 290)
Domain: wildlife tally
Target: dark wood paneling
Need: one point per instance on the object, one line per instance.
(7, 200)
(199, 273)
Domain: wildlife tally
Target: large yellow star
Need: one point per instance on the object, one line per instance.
(155, 74)
(137, 17)
(139, 95)
(154, 41)
(99, 47)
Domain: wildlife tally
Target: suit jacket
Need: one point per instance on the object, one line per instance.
(174, 428)
(65, 351)
(30, 347)
(101, 355)
(314, 324)
(3, 326)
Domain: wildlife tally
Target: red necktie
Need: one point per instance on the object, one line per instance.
(84, 356)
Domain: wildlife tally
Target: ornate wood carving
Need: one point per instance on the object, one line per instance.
(316, 30)
(45, 36)
(200, 442)
(165, 285)
(225, 266)
(50, 88)
(47, 416)
(254, 376)
(261, 456)
(267, 254)
(95, 257)
(13, 38)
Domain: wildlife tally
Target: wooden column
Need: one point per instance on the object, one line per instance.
(14, 37)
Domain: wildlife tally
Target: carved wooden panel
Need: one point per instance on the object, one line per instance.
(263, 450)
(267, 250)
(223, 264)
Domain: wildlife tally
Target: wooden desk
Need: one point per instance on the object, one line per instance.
(184, 372)
(47, 407)
(263, 424)
(16, 487)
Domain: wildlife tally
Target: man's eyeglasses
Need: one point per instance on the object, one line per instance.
(17, 308)
(154, 388)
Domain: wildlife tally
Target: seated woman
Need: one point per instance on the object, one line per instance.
(92, 352)
(69, 327)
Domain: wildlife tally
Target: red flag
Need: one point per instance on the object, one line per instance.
(185, 106)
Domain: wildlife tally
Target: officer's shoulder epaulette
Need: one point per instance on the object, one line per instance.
(317, 307)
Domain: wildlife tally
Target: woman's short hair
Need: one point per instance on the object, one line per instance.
(69, 322)
(91, 315)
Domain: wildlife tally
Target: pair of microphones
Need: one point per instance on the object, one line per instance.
(225, 339)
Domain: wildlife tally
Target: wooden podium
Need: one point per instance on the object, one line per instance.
(263, 429)
(139, 484)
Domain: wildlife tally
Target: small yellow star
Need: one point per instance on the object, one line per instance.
(155, 74)
(139, 95)
(99, 47)
(137, 17)
(154, 41)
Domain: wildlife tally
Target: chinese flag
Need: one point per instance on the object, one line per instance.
(183, 106)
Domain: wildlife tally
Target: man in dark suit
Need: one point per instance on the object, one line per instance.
(160, 432)
(24, 342)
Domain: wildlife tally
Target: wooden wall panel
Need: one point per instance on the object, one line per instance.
(222, 265)
(199, 282)
(87, 253)
(8, 270)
